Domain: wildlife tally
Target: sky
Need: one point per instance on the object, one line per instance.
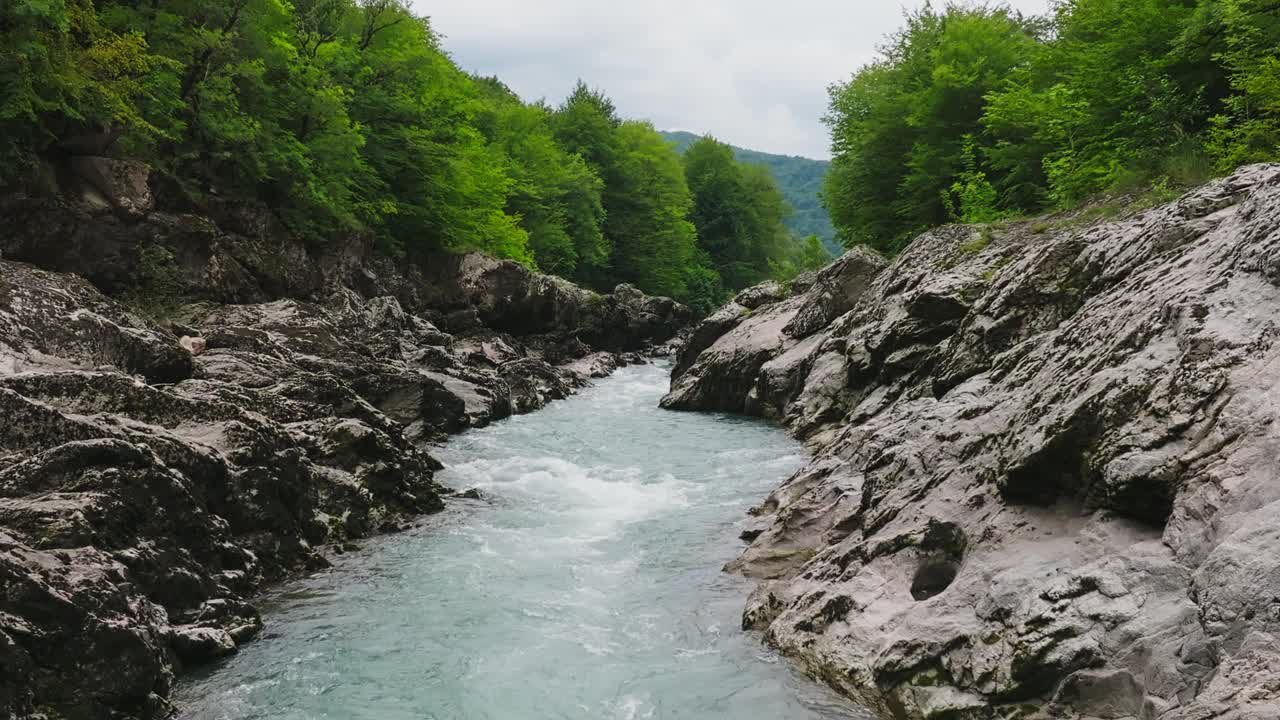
(752, 73)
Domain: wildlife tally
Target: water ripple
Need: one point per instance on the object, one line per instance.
(587, 587)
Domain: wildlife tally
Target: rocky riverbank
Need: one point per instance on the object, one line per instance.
(1047, 469)
(155, 474)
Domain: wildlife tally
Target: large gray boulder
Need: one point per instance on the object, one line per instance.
(120, 184)
(51, 321)
(770, 291)
(474, 290)
(722, 365)
(1047, 469)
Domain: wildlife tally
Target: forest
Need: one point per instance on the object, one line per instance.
(348, 116)
(975, 113)
(799, 179)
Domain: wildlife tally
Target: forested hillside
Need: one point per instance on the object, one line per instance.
(348, 116)
(799, 179)
(977, 113)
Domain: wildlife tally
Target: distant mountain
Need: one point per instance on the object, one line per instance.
(800, 180)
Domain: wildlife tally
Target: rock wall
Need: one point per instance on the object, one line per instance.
(153, 476)
(1046, 479)
(139, 236)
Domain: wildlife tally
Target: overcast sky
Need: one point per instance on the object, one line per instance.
(751, 72)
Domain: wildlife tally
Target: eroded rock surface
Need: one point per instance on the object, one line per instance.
(747, 356)
(153, 476)
(1047, 469)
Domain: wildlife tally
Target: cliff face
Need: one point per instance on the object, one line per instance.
(153, 477)
(1047, 469)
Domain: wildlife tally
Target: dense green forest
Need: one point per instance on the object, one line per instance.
(976, 113)
(348, 116)
(799, 179)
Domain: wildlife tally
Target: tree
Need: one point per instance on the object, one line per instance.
(653, 242)
(435, 181)
(555, 193)
(991, 113)
(720, 207)
(1117, 91)
(738, 211)
(644, 196)
(64, 74)
(1247, 128)
(900, 126)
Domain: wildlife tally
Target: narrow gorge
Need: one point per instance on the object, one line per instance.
(154, 477)
(582, 580)
(1034, 475)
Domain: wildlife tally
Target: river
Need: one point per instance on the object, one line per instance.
(586, 585)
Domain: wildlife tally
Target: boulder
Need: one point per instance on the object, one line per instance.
(202, 645)
(193, 344)
(763, 294)
(54, 321)
(719, 367)
(473, 291)
(120, 184)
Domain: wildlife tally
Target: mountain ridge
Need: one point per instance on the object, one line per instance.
(800, 179)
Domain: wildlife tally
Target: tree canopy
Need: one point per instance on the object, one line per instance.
(799, 179)
(975, 112)
(348, 116)
(738, 212)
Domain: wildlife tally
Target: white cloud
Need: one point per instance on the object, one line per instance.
(751, 72)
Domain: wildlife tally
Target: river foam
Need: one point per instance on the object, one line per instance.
(586, 584)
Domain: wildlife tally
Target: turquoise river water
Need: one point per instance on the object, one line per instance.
(587, 585)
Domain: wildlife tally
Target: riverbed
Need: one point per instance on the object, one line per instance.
(586, 583)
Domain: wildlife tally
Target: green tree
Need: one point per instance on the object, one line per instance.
(972, 198)
(720, 205)
(900, 126)
(738, 211)
(587, 124)
(435, 181)
(1119, 90)
(64, 74)
(991, 113)
(653, 242)
(644, 196)
(1247, 129)
(554, 193)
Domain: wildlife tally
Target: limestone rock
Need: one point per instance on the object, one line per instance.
(193, 344)
(1047, 471)
(51, 321)
(200, 645)
(719, 367)
(763, 294)
(122, 184)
